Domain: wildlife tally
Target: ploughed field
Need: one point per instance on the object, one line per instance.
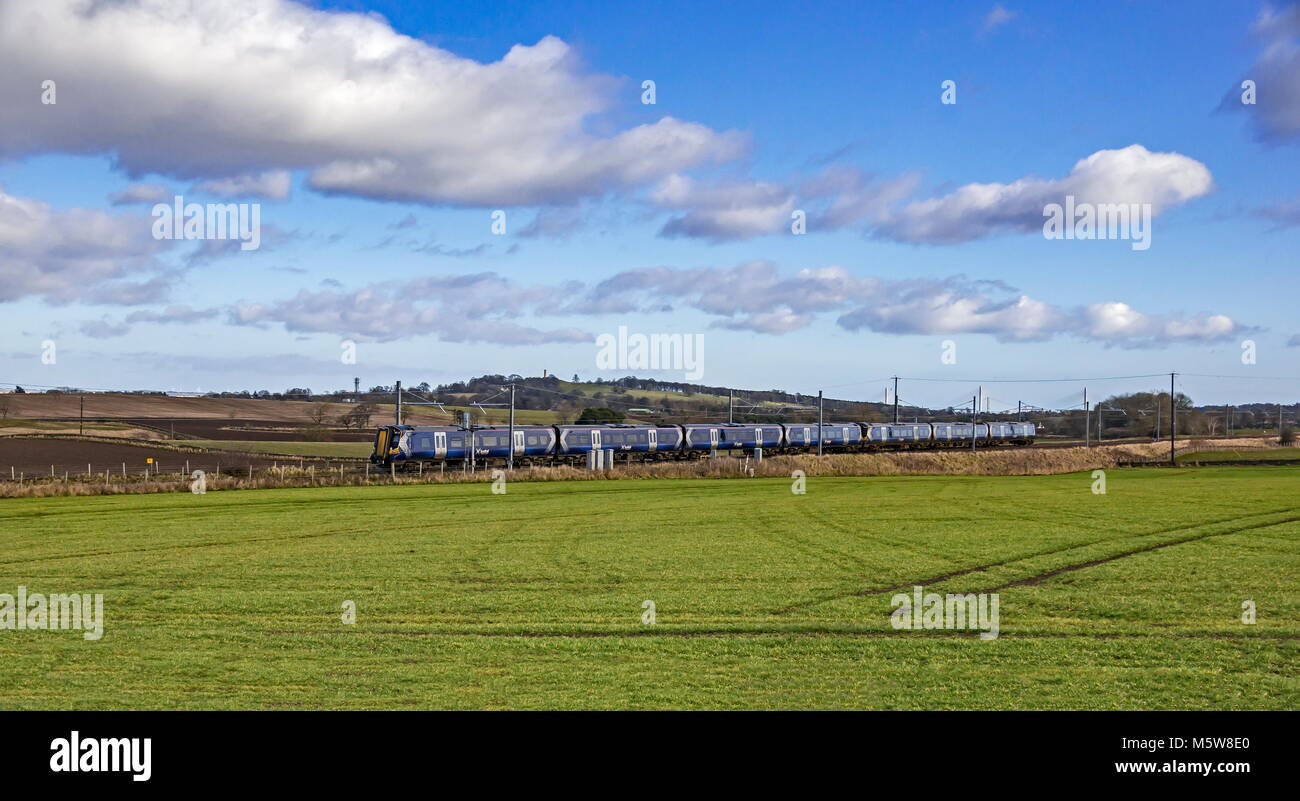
(34, 456)
(761, 598)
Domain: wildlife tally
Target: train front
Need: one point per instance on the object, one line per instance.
(388, 441)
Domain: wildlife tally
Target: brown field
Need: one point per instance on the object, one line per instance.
(34, 456)
(102, 406)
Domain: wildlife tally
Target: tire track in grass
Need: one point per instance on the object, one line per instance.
(1044, 576)
(1020, 558)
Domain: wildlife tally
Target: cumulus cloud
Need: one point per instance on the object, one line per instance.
(468, 308)
(219, 91)
(1129, 175)
(737, 210)
(756, 297)
(77, 255)
(842, 197)
(273, 185)
(1276, 73)
(142, 193)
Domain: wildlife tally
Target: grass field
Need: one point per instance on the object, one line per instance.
(1271, 454)
(466, 599)
(320, 450)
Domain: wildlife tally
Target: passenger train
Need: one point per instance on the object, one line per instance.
(402, 445)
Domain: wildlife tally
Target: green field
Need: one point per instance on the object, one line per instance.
(317, 450)
(1262, 455)
(764, 599)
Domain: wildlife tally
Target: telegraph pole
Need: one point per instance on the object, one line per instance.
(895, 400)
(1086, 419)
(399, 403)
(81, 426)
(731, 406)
(819, 422)
(510, 454)
(1173, 420)
(974, 426)
(1020, 417)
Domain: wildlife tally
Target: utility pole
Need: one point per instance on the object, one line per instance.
(81, 425)
(510, 454)
(974, 426)
(1173, 420)
(731, 406)
(1157, 436)
(399, 403)
(1020, 418)
(819, 422)
(1086, 420)
(1099, 412)
(895, 400)
(356, 388)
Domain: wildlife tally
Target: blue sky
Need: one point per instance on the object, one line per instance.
(378, 147)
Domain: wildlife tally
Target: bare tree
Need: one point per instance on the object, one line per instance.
(4, 408)
(359, 416)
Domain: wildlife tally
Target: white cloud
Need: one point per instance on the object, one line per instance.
(1129, 175)
(142, 193)
(469, 308)
(756, 297)
(273, 185)
(997, 17)
(222, 90)
(737, 210)
(76, 255)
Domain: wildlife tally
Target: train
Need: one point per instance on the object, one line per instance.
(408, 446)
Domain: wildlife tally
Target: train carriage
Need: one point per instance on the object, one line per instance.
(452, 443)
(898, 434)
(579, 439)
(1023, 433)
(1001, 432)
(958, 434)
(731, 436)
(832, 435)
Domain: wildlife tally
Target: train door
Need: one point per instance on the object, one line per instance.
(713, 438)
(595, 439)
(519, 442)
(440, 443)
(382, 438)
(654, 439)
(758, 438)
(807, 436)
